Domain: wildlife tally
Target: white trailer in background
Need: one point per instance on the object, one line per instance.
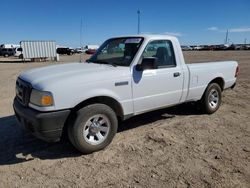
(38, 50)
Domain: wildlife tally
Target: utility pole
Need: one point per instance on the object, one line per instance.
(81, 41)
(139, 21)
(245, 41)
(226, 40)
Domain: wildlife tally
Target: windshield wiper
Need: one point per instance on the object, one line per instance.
(102, 62)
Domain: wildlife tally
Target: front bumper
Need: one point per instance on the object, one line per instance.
(47, 126)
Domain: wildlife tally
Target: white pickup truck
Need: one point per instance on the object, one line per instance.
(125, 77)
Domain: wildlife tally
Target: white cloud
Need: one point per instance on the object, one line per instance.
(240, 30)
(212, 28)
(232, 30)
(177, 34)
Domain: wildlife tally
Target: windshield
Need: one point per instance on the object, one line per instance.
(117, 51)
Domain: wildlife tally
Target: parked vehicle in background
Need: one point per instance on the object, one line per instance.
(87, 99)
(90, 51)
(186, 48)
(18, 52)
(65, 51)
(247, 47)
(206, 48)
(6, 52)
(238, 47)
(91, 46)
(78, 50)
(198, 48)
(8, 49)
(9, 46)
(217, 47)
(231, 47)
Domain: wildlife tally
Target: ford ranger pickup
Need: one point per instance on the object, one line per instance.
(125, 77)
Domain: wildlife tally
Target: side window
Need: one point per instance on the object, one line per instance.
(163, 51)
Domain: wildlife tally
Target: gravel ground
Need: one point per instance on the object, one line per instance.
(175, 147)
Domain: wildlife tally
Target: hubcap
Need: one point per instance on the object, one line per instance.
(96, 129)
(213, 98)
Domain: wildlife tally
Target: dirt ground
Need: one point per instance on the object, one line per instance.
(176, 147)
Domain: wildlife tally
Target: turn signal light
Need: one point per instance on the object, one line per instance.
(46, 100)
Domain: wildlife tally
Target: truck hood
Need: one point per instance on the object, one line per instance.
(48, 77)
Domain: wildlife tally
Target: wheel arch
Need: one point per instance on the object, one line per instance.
(109, 101)
(203, 102)
(218, 80)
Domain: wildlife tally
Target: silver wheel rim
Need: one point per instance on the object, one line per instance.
(213, 98)
(96, 129)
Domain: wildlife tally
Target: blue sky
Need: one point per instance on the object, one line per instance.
(192, 21)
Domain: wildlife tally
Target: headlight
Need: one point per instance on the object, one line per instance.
(41, 98)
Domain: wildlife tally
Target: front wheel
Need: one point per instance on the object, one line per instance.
(211, 99)
(94, 128)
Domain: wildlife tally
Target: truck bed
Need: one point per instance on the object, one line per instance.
(201, 73)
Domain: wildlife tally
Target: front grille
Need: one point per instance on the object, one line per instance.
(23, 90)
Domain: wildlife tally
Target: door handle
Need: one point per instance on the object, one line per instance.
(176, 74)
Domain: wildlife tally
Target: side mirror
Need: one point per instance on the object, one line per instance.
(147, 63)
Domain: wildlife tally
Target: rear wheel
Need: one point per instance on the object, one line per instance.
(211, 99)
(94, 128)
(20, 56)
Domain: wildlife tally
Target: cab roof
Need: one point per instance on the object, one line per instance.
(149, 36)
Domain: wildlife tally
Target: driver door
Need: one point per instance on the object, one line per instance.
(156, 88)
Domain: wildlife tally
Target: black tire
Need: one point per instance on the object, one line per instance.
(21, 56)
(84, 115)
(205, 103)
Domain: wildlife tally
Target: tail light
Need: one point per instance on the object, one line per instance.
(237, 71)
